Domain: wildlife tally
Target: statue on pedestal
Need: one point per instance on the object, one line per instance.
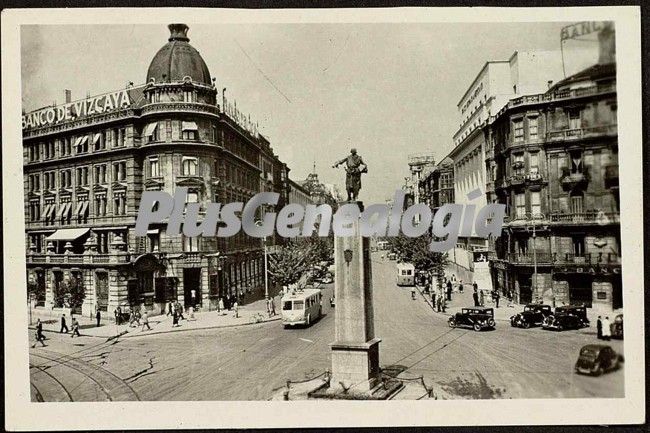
(353, 163)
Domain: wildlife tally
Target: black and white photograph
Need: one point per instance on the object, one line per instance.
(211, 207)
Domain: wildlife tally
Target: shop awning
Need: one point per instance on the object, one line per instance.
(67, 234)
(96, 138)
(149, 129)
(190, 126)
(77, 142)
(62, 210)
(78, 209)
(52, 210)
(84, 209)
(46, 211)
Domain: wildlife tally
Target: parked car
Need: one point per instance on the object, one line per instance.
(596, 359)
(617, 327)
(533, 315)
(567, 317)
(477, 318)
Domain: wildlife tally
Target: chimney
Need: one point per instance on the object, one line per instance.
(607, 45)
(178, 32)
(68, 96)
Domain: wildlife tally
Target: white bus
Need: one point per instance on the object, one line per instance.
(301, 307)
(405, 274)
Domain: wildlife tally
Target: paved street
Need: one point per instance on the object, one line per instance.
(250, 362)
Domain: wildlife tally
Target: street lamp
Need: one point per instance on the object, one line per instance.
(533, 218)
(266, 264)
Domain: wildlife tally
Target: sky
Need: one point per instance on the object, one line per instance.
(316, 90)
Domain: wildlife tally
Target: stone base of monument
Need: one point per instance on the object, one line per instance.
(355, 374)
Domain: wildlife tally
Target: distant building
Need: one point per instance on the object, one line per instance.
(437, 188)
(298, 194)
(319, 192)
(556, 170)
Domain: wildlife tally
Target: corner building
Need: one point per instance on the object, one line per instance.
(87, 162)
(556, 170)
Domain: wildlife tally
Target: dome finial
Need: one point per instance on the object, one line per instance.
(178, 32)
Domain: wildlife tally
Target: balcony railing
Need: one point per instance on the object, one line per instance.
(586, 217)
(564, 258)
(180, 107)
(558, 96)
(578, 133)
(79, 259)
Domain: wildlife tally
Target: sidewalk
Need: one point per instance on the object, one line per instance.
(252, 313)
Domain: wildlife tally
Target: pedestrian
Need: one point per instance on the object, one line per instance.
(193, 297)
(433, 300)
(64, 325)
(475, 296)
(413, 293)
(75, 328)
(118, 313)
(268, 306)
(98, 317)
(607, 330)
(236, 308)
(481, 298)
(191, 312)
(170, 308)
(220, 305)
(496, 298)
(449, 289)
(599, 328)
(39, 333)
(460, 287)
(272, 307)
(175, 319)
(178, 308)
(145, 321)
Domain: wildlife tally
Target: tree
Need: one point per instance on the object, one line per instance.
(416, 251)
(294, 259)
(72, 292)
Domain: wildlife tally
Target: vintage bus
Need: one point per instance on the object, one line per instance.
(301, 307)
(405, 274)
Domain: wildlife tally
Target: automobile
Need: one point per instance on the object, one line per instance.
(567, 317)
(595, 359)
(533, 315)
(477, 318)
(617, 327)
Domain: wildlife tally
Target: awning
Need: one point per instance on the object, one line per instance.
(190, 126)
(46, 211)
(84, 209)
(78, 210)
(77, 142)
(67, 234)
(52, 210)
(96, 138)
(149, 129)
(62, 210)
(153, 231)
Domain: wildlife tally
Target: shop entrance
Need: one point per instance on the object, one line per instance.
(192, 287)
(580, 291)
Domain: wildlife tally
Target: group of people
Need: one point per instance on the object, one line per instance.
(74, 324)
(604, 328)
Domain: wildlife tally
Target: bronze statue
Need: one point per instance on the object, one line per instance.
(353, 162)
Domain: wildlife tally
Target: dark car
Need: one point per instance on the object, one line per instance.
(596, 359)
(476, 317)
(533, 315)
(567, 317)
(617, 327)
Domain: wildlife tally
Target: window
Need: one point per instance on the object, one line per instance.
(535, 203)
(153, 242)
(119, 137)
(520, 205)
(50, 149)
(214, 134)
(574, 119)
(100, 174)
(34, 182)
(189, 134)
(522, 245)
(49, 180)
(192, 197)
(154, 167)
(119, 201)
(82, 210)
(532, 128)
(66, 178)
(518, 127)
(518, 163)
(100, 204)
(533, 159)
(82, 176)
(190, 166)
(102, 242)
(576, 161)
(82, 144)
(578, 245)
(119, 171)
(576, 204)
(34, 210)
(190, 244)
(34, 152)
(188, 96)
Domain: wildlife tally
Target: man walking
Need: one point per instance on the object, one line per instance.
(145, 321)
(39, 333)
(64, 325)
(75, 328)
(599, 328)
(497, 296)
(475, 296)
(433, 300)
(272, 307)
(118, 315)
(98, 317)
(481, 298)
(449, 288)
(607, 330)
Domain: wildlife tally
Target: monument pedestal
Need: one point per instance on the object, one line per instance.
(355, 351)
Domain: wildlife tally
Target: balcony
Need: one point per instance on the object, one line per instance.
(79, 259)
(184, 107)
(559, 96)
(529, 258)
(516, 179)
(580, 133)
(572, 180)
(591, 217)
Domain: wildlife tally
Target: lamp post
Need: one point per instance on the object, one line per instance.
(266, 264)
